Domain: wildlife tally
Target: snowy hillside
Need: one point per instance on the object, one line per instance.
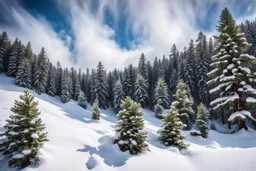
(78, 143)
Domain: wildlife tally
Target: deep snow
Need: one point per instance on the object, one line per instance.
(78, 143)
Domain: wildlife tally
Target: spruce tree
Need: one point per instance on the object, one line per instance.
(231, 78)
(13, 59)
(161, 96)
(171, 134)
(96, 111)
(64, 94)
(158, 109)
(82, 100)
(51, 87)
(118, 96)
(142, 68)
(130, 133)
(141, 94)
(4, 40)
(23, 77)
(24, 132)
(99, 90)
(40, 76)
(201, 121)
(184, 106)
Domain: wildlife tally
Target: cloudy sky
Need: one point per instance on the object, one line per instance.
(82, 32)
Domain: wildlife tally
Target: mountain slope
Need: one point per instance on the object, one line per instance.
(76, 142)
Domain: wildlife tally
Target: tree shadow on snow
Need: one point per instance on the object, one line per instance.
(110, 153)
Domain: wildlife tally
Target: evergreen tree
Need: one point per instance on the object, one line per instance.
(13, 58)
(190, 71)
(202, 69)
(118, 96)
(96, 111)
(24, 132)
(161, 94)
(82, 100)
(142, 68)
(183, 106)
(51, 88)
(150, 86)
(23, 77)
(4, 40)
(129, 131)
(201, 121)
(158, 109)
(65, 95)
(99, 91)
(233, 95)
(141, 95)
(40, 76)
(111, 89)
(171, 134)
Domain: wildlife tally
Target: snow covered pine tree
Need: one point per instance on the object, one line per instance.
(24, 132)
(118, 96)
(129, 131)
(184, 106)
(82, 100)
(171, 133)
(232, 77)
(201, 121)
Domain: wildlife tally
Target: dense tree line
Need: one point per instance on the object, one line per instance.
(152, 84)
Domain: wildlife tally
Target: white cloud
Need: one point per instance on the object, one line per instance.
(156, 26)
(36, 30)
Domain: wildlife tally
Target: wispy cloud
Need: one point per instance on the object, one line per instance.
(36, 30)
(155, 25)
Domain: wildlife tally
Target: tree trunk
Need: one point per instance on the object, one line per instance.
(242, 124)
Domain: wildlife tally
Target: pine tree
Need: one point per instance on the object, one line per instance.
(99, 90)
(4, 40)
(183, 105)
(171, 134)
(158, 109)
(13, 58)
(82, 100)
(40, 76)
(96, 111)
(161, 96)
(24, 132)
(23, 77)
(233, 95)
(142, 68)
(64, 94)
(51, 87)
(141, 94)
(190, 71)
(129, 131)
(202, 69)
(118, 96)
(201, 121)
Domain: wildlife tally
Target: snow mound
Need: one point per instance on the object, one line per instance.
(213, 145)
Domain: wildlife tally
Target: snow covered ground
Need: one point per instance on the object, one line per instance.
(78, 143)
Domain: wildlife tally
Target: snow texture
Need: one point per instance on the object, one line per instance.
(78, 143)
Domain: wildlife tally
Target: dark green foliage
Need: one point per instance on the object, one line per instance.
(23, 77)
(118, 96)
(161, 94)
(158, 109)
(82, 100)
(171, 134)
(24, 132)
(184, 106)
(141, 94)
(201, 121)
(41, 71)
(129, 131)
